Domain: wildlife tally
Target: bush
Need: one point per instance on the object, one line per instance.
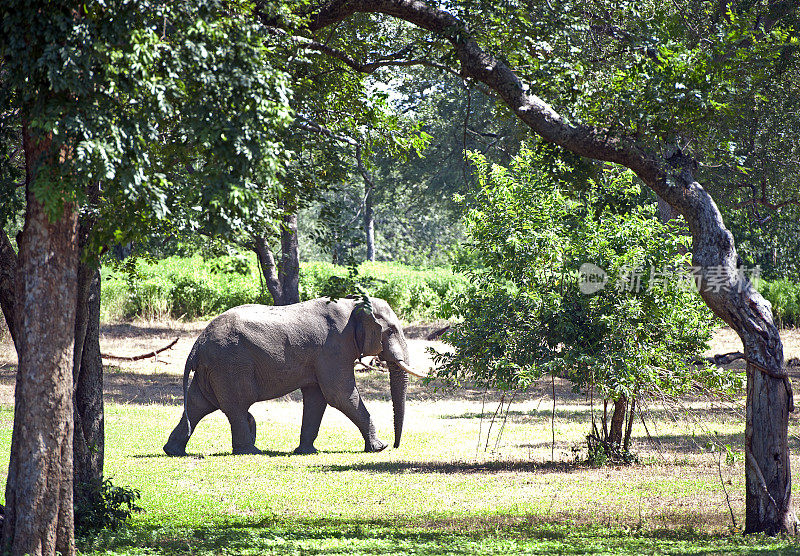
(101, 505)
(193, 287)
(180, 287)
(529, 311)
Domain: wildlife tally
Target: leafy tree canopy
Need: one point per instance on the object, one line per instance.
(169, 108)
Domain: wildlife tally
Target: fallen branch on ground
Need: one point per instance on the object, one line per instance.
(720, 359)
(142, 356)
(374, 364)
(435, 335)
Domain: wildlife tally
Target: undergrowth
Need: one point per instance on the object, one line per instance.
(785, 298)
(193, 287)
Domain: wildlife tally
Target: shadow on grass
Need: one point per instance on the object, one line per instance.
(446, 467)
(122, 387)
(456, 534)
(681, 443)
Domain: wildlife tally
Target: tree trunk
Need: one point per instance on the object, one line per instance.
(89, 437)
(671, 176)
(283, 280)
(38, 513)
(617, 422)
(8, 272)
(666, 212)
(369, 223)
(289, 269)
(266, 261)
(87, 364)
(626, 444)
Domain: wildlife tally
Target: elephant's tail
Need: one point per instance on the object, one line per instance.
(186, 370)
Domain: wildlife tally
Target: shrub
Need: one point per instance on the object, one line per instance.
(528, 313)
(101, 505)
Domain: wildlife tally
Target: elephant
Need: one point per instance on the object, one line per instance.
(254, 352)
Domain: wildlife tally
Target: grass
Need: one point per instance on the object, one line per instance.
(192, 287)
(442, 492)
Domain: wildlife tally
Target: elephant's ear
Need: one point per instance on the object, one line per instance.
(368, 332)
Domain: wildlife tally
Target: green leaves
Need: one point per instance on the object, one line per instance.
(529, 314)
(165, 105)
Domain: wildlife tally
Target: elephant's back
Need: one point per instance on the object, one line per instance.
(296, 320)
(273, 349)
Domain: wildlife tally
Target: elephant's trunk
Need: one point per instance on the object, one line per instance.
(398, 384)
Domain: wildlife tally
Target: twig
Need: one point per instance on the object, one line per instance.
(393, 59)
(496, 411)
(142, 356)
(725, 490)
(503, 425)
(371, 367)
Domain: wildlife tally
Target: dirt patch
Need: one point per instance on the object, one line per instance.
(725, 340)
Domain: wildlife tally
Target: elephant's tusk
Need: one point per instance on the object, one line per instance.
(408, 369)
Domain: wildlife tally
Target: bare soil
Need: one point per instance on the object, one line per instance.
(157, 380)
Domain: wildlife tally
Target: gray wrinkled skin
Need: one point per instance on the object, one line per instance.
(260, 352)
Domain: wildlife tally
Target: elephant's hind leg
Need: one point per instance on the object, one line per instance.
(314, 405)
(243, 432)
(197, 407)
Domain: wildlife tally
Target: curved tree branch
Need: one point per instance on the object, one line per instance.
(396, 59)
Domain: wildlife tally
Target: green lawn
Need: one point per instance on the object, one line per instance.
(439, 493)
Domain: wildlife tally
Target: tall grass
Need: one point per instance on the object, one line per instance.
(180, 288)
(194, 287)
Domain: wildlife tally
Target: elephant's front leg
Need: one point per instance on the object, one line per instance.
(314, 405)
(342, 393)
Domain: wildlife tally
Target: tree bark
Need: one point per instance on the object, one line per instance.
(626, 444)
(289, 269)
(38, 513)
(283, 280)
(87, 363)
(266, 261)
(89, 437)
(369, 224)
(369, 215)
(617, 422)
(8, 272)
(671, 177)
